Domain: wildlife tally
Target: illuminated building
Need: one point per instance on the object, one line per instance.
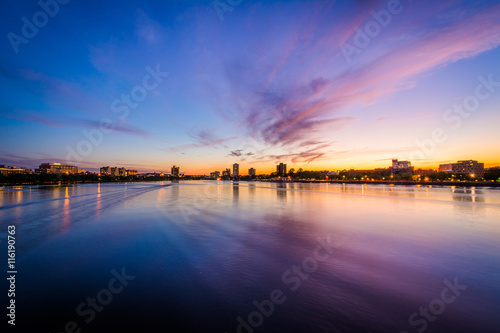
(13, 170)
(57, 168)
(236, 170)
(401, 166)
(226, 173)
(470, 167)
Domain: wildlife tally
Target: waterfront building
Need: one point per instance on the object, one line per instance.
(104, 171)
(226, 173)
(5, 171)
(56, 168)
(122, 172)
(281, 169)
(115, 172)
(445, 167)
(175, 171)
(400, 166)
(251, 172)
(215, 174)
(470, 167)
(236, 170)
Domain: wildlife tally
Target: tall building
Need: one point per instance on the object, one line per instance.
(114, 172)
(105, 171)
(57, 168)
(215, 174)
(281, 169)
(236, 170)
(470, 167)
(175, 171)
(122, 172)
(226, 173)
(251, 172)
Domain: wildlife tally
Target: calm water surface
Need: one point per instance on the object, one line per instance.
(204, 256)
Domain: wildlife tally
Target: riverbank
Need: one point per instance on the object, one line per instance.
(404, 182)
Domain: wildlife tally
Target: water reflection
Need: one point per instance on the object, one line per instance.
(66, 212)
(399, 243)
(281, 191)
(236, 192)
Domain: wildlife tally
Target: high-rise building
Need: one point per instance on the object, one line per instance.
(281, 169)
(175, 171)
(236, 170)
(251, 172)
(57, 168)
(122, 172)
(115, 172)
(105, 171)
(226, 173)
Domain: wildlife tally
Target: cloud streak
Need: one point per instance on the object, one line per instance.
(285, 97)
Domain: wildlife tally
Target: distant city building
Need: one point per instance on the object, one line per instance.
(236, 170)
(401, 166)
(470, 167)
(226, 173)
(57, 168)
(445, 167)
(175, 171)
(122, 172)
(251, 172)
(13, 170)
(281, 169)
(215, 174)
(116, 172)
(105, 170)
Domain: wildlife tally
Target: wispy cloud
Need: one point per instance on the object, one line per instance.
(286, 96)
(73, 122)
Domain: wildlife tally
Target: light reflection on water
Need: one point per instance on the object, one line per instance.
(202, 252)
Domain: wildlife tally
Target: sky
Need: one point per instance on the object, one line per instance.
(318, 85)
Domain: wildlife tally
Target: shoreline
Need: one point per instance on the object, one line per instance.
(353, 182)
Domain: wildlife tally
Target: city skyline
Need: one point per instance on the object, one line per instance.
(344, 85)
(468, 166)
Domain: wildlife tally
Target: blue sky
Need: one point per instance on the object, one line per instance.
(270, 82)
